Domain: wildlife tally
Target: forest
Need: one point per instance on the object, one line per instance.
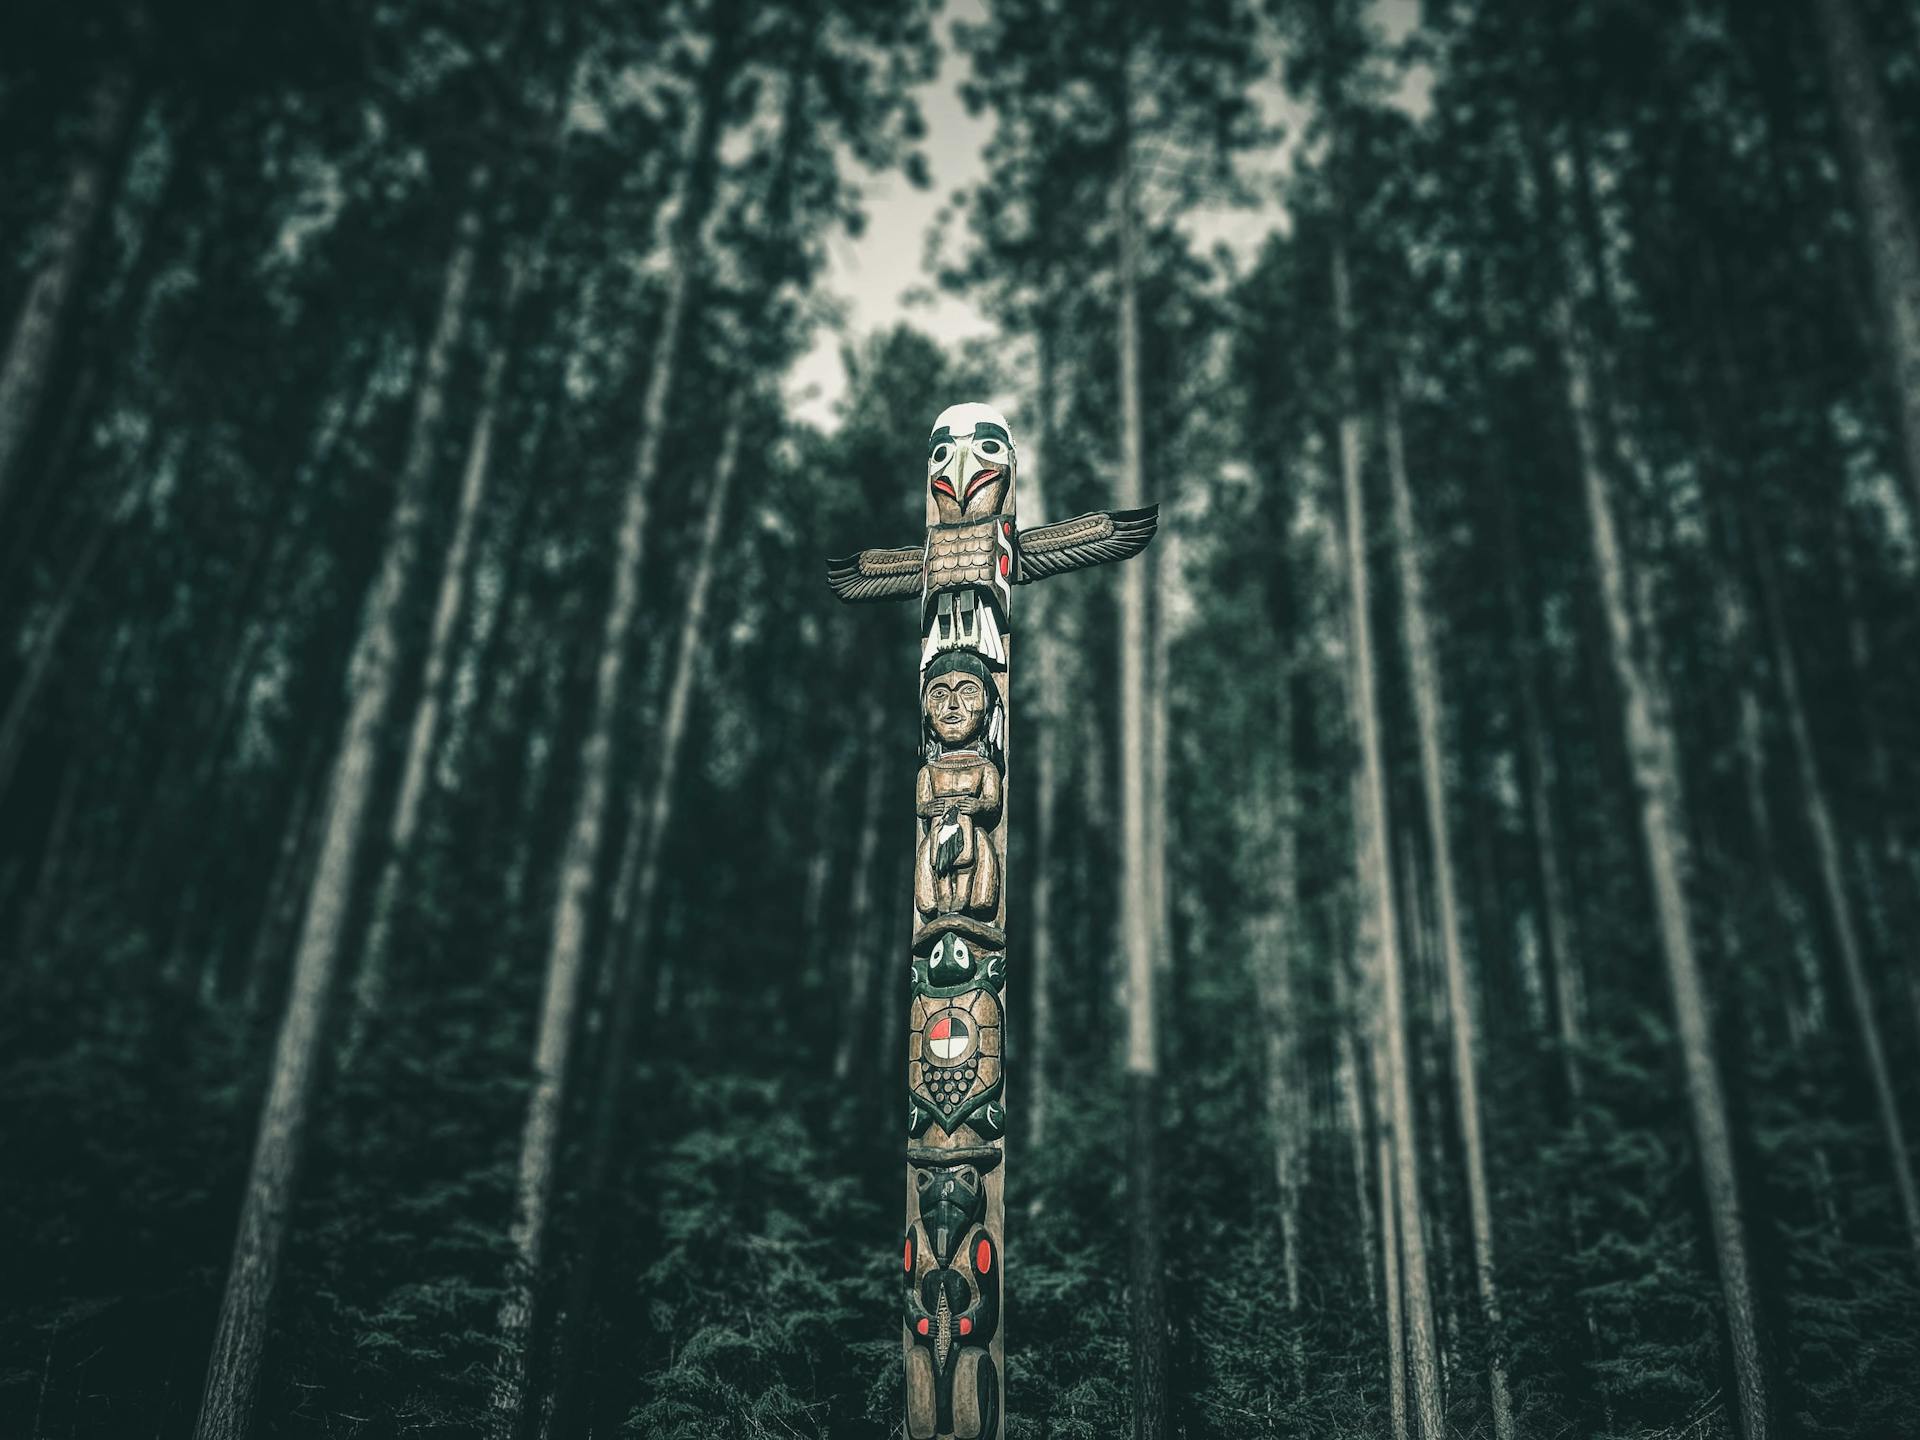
(1462, 879)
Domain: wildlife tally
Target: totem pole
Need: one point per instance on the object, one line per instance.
(964, 573)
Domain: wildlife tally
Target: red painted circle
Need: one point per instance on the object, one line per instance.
(1003, 565)
(966, 1326)
(921, 1327)
(983, 1257)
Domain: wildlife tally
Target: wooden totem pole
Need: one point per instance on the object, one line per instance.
(964, 573)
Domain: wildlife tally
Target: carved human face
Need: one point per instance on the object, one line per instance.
(956, 704)
(970, 464)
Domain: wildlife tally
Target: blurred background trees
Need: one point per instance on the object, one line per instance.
(444, 818)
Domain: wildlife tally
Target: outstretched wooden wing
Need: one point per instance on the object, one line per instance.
(1085, 540)
(877, 574)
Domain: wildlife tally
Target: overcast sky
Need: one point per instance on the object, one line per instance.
(874, 274)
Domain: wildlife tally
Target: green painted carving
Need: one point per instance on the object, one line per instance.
(954, 967)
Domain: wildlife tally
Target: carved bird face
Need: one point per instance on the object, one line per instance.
(970, 464)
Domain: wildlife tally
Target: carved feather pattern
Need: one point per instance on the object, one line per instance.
(1085, 540)
(877, 574)
(1095, 539)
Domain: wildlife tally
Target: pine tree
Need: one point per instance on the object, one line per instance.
(233, 1373)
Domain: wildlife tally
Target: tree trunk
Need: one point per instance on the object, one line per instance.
(1048, 652)
(296, 835)
(1569, 989)
(1428, 707)
(1353, 1107)
(863, 958)
(1040, 1039)
(1781, 940)
(23, 538)
(47, 307)
(634, 903)
(213, 716)
(13, 728)
(1271, 824)
(1377, 884)
(1827, 850)
(423, 734)
(1147, 1311)
(117, 313)
(53, 866)
(1893, 921)
(1654, 765)
(581, 856)
(1384, 1146)
(821, 853)
(233, 1374)
(1888, 226)
(1426, 1017)
(1164, 560)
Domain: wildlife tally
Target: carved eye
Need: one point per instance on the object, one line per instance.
(940, 453)
(970, 691)
(989, 447)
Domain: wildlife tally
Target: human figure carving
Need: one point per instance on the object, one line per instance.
(958, 792)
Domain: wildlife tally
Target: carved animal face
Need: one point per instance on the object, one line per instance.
(951, 962)
(956, 705)
(970, 464)
(952, 1200)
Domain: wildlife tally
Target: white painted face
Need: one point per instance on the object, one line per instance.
(970, 464)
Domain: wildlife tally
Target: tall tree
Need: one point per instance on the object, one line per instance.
(1654, 763)
(1274, 956)
(1376, 885)
(233, 1372)
(581, 858)
(1828, 852)
(1147, 1300)
(636, 896)
(1428, 708)
(1049, 654)
(423, 733)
